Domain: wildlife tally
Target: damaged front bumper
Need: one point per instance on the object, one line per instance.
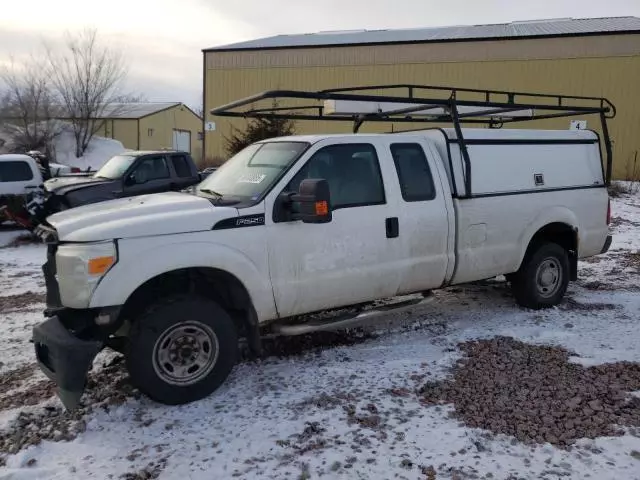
(64, 358)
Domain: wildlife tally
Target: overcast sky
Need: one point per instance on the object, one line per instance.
(163, 39)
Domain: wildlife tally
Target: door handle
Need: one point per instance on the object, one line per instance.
(392, 226)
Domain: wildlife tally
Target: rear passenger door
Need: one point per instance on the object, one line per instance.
(424, 219)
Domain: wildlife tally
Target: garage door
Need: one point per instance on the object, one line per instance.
(182, 140)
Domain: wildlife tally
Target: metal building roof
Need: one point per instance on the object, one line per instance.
(136, 110)
(534, 28)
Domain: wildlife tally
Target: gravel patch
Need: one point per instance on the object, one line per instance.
(280, 347)
(573, 304)
(535, 394)
(152, 471)
(21, 301)
(106, 388)
(12, 379)
(32, 395)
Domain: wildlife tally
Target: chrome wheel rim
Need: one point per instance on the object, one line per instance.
(548, 277)
(185, 353)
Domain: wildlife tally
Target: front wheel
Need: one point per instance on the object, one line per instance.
(543, 277)
(181, 350)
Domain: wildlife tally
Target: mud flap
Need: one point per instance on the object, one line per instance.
(64, 358)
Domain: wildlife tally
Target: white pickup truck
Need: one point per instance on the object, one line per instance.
(303, 224)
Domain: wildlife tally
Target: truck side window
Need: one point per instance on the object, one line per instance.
(181, 166)
(151, 168)
(416, 181)
(352, 171)
(15, 171)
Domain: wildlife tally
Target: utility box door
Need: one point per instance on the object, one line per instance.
(182, 140)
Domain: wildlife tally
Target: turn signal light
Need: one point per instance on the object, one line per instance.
(322, 208)
(100, 265)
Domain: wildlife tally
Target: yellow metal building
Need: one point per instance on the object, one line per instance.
(589, 57)
(154, 126)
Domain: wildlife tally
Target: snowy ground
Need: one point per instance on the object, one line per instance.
(345, 411)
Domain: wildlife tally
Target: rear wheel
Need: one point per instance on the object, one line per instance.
(543, 277)
(181, 350)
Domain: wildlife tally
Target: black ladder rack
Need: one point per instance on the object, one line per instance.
(428, 104)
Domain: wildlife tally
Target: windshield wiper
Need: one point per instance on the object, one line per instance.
(211, 192)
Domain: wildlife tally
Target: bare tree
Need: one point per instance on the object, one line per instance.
(88, 79)
(27, 107)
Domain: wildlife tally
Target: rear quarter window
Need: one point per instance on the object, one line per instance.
(15, 171)
(181, 166)
(414, 174)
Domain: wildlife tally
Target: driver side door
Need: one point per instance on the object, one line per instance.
(150, 174)
(353, 258)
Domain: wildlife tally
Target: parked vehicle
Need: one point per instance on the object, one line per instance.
(19, 176)
(59, 170)
(305, 224)
(207, 171)
(22, 178)
(125, 175)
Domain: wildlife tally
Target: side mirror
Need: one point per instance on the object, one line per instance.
(129, 180)
(314, 202)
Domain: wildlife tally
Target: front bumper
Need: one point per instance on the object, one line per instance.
(64, 358)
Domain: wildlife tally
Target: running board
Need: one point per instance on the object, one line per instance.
(343, 322)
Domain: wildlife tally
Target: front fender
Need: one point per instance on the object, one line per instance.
(139, 261)
(544, 218)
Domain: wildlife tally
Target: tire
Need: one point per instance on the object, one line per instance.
(164, 342)
(543, 277)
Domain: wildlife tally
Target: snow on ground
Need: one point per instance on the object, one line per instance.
(9, 233)
(292, 416)
(100, 150)
(21, 269)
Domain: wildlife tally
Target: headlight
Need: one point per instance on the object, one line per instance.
(79, 268)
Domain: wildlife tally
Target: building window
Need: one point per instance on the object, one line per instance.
(150, 132)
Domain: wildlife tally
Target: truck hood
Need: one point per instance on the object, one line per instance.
(146, 215)
(63, 185)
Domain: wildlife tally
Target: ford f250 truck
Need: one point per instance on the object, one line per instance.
(297, 225)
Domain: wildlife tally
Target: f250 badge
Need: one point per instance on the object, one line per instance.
(248, 221)
(239, 222)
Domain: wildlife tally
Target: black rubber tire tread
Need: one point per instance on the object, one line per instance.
(523, 282)
(148, 327)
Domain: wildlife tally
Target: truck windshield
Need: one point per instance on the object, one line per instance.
(115, 167)
(249, 174)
